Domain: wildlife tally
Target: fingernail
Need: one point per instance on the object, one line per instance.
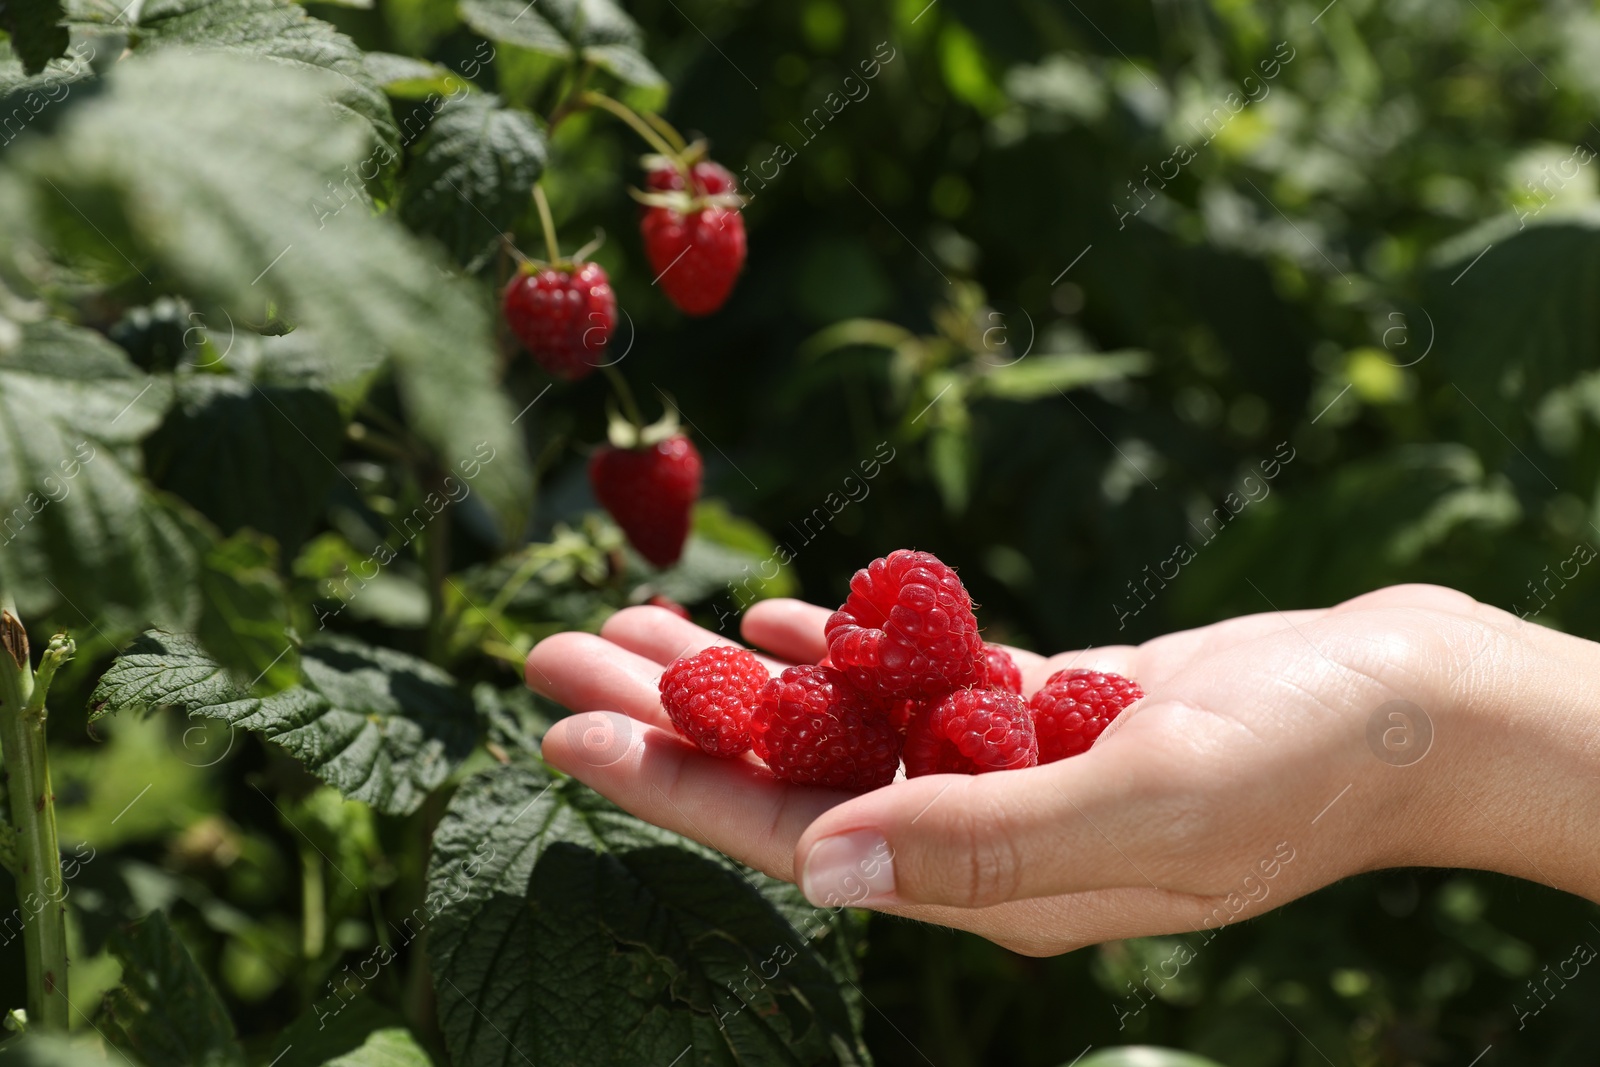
(848, 870)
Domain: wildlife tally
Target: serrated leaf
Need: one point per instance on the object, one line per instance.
(165, 1012)
(244, 612)
(1045, 375)
(598, 30)
(471, 176)
(558, 915)
(512, 22)
(249, 455)
(377, 725)
(78, 527)
(269, 222)
(280, 31)
(37, 33)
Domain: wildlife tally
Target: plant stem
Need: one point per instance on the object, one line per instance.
(313, 911)
(628, 115)
(547, 222)
(667, 130)
(33, 813)
(630, 406)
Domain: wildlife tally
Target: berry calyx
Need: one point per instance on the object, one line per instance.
(563, 314)
(812, 727)
(710, 696)
(650, 491)
(1075, 706)
(906, 629)
(972, 731)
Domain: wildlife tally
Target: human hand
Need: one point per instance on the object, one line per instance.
(1249, 775)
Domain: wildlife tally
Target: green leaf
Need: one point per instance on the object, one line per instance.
(414, 79)
(377, 725)
(1033, 377)
(597, 30)
(249, 455)
(78, 526)
(280, 31)
(472, 174)
(1145, 1056)
(37, 33)
(1515, 324)
(270, 222)
(356, 1033)
(552, 909)
(165, 1012)
(244, 613)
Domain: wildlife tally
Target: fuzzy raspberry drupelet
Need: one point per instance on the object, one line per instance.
(814, 728)
(972, 731)
(697, 255)
(710, 696)
(907, 629)
(563, 317)
(651, 493)
(1074, 707)
(1000, 670)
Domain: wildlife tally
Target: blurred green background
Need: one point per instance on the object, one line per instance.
(1311, 290)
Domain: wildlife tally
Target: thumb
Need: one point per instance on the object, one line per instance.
(1092, 822)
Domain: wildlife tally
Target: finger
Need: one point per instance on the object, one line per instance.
(743, 812)
(1097, 821)
(588, 673)
(788, 628)
(658, 634)
(735, 806)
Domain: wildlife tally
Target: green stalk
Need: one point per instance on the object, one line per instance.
(33, 814)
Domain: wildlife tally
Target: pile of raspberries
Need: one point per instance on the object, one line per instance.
(906, 678)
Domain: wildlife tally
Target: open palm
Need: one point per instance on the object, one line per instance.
(1250, 774)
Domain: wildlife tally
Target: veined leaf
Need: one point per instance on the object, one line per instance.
(165, 1012)
(377, 725)
(414, 79)
(281, 31)
(36, 29)
(78, 527)
(550, 908)
(472, 174)
(244, 613)
(269, 224)
(597, 30)
(356, 1033)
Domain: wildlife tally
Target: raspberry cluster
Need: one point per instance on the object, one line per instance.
(907, 678)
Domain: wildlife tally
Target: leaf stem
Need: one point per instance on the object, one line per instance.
(631, 117)
(620, 384)
(667, 130)
(547, 222)
(33, 814)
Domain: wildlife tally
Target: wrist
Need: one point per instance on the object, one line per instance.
(1515, 781)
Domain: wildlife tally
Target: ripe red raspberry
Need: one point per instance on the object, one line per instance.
(1000, 670)
(563, 317)
(972, 731)
(1074, 707)
(708, 177)
(696, 255)
(814, 728)
(650, 492)
(907, 629)
(659, 601)
(710, 696)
